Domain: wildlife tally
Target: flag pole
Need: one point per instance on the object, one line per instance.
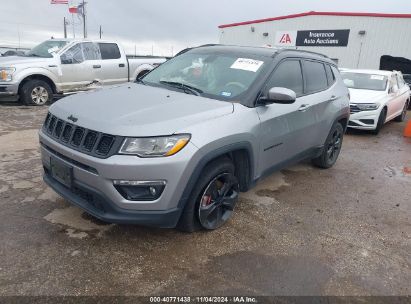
(84, 20)
(65, 27)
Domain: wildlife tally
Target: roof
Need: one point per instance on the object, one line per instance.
(373, 72)
(260, 51)
(256, 50)
(313, 13)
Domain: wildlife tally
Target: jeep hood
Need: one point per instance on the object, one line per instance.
(138, 110)
(365, 96)
(10, 61)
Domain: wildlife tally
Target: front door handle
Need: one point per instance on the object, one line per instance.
(332, 98)
(96, 66)
(304, 107)
(121, 65)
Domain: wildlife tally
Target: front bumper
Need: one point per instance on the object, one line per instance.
(93, 190)
(9, 89)
(96, 204)
(364, 120)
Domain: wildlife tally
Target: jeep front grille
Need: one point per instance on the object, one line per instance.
(87, 141)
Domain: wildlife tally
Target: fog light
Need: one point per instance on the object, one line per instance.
(153, 191)
(140, 190)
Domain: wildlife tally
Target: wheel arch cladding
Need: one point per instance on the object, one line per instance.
(39, 77)
(242, 156)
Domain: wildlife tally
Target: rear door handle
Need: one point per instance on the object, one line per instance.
(121, 65)
(96, 66)
(304, 107)
(332, 98)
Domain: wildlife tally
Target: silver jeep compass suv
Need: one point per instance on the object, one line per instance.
(177, 147)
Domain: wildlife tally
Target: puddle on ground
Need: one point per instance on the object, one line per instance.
(78, 225)
(263, 193)
(280, 275)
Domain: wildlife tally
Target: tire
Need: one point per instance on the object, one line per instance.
(36, 93)
(209, 207)
(142, 74)
(381, 122)
(401, 117)
(332, 148)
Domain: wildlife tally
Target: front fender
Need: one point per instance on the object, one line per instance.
(23, 74)
(203, 158)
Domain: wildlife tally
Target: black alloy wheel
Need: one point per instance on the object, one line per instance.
(218, 201)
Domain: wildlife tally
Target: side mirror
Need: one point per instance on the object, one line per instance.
(279, 95)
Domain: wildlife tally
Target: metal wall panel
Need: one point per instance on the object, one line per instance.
(384, 36)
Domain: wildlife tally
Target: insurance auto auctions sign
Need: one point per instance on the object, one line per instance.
(312, 38)
(323, 38)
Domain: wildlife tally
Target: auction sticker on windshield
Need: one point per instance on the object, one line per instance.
(377, 77)
(247, 64)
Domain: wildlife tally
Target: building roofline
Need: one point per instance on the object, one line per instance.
(313, 13)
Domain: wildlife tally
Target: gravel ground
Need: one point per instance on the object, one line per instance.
(301, 231)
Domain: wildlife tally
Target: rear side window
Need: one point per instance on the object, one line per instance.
(400, 80)
(288, 75)
(109, 51)
(330, 75)
(315, 77)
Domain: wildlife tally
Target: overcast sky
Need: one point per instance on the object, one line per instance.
(160, 25)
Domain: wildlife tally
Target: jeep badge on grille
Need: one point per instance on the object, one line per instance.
(72, 118)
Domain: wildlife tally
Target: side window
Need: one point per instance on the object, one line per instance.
(73, 55)
(315, 77)
(109, 51)
(393, 84)
(330, 75)
(91, 51)
(288, 75)
(400, 81)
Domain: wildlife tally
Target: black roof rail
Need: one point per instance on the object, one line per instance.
(209, 44)
(303, 51)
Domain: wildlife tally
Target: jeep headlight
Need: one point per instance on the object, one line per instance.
(6, 73)
(155, 146)
(368, 106)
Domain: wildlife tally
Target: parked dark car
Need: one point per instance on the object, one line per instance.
(407, 79)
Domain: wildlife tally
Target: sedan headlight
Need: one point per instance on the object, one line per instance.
(6, 73)
(368, 106)
(155, 146)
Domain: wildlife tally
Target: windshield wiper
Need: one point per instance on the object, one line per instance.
(183, 87)
(141, 81)
(33, 55)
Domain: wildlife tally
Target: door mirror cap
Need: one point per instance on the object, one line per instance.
(279, 95)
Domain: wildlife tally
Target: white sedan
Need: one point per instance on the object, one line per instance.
(376, 98)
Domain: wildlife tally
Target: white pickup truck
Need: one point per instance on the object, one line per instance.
(60, 66)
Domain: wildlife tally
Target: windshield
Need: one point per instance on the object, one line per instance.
(365, 81)
(220, 76)
(44, 49)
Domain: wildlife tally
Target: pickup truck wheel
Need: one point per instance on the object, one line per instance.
(213, 199)
(332, 148)
(36, 92)
(401, 117)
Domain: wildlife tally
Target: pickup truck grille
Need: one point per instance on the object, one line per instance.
(87, 141)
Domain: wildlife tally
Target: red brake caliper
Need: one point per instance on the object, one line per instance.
(206, 200)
